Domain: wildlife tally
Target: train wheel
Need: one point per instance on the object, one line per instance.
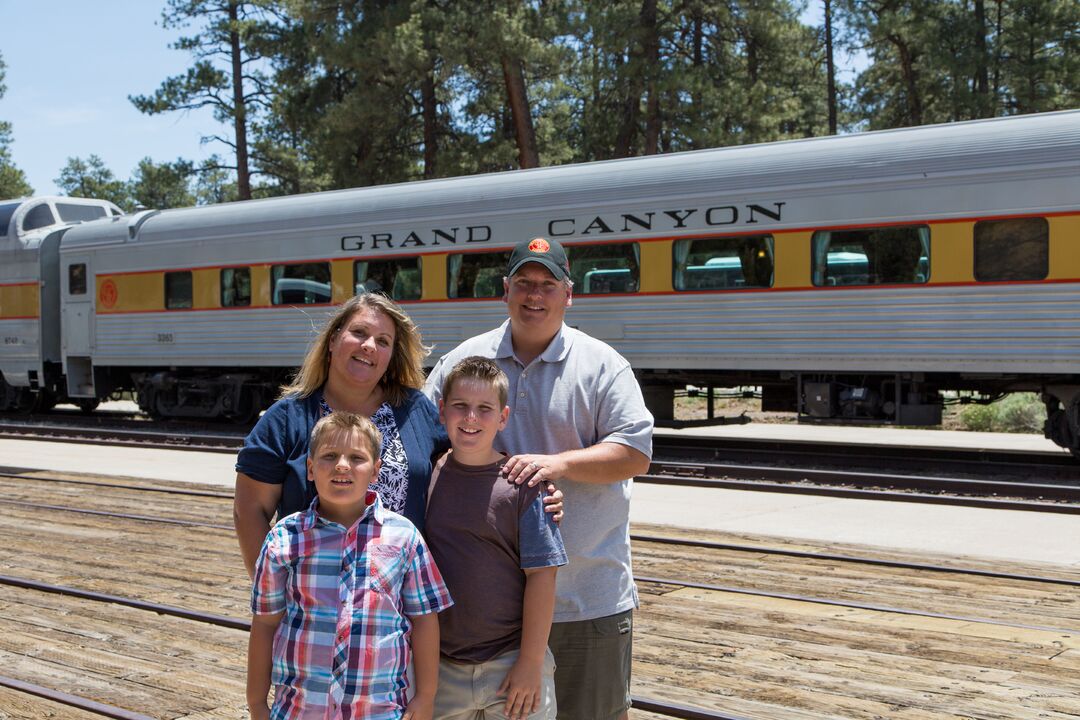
(1063, 422)
(87, 405)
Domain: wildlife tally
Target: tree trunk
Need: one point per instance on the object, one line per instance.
(982, 71)
(830, 67)
(243, 177)
(518, 100)
(637, 71)
(651, 54)
(431, 117)
(911, 82)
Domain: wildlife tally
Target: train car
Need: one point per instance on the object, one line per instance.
(29, 244)
(852, 278)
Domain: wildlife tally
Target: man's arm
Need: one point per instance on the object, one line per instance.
(425, 647)
(260, 663)
(254, 506)
(603, 463)
(522, 684)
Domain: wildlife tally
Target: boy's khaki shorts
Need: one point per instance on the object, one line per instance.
(592, 673)
(469, 691)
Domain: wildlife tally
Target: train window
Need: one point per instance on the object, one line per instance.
(397, 279)
(300, 284)
(476, 275)
(6, 211)
(236, 287)
(178, 290)
(898, 255)
(1017, 249)
(70, 212)
(77, 279)
(723, 263)
(38, 217)
(602, 269)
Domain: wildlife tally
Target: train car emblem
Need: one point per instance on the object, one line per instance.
(108, 294)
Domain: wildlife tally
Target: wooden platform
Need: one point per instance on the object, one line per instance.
(1010, 649)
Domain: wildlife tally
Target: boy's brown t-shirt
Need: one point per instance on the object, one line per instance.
(477, 523)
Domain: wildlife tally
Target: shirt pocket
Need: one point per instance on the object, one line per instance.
(385, 568)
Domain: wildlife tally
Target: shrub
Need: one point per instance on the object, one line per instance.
(1015, 413)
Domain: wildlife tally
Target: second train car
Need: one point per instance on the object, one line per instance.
(851, 278)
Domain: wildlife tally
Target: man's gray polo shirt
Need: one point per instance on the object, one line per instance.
(577, 393)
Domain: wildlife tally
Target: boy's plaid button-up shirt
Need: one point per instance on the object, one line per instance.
(343, 643)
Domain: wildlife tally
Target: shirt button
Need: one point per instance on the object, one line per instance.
(521, 394)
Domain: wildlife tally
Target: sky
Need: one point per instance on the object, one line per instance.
(71, 65)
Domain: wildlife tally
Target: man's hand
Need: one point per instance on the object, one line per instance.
(532, 469)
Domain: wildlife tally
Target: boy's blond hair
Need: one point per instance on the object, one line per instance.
(481, 369)
(345, 422)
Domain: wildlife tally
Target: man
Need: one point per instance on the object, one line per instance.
(576, 417)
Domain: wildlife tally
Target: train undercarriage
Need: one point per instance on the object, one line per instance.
(909, 399)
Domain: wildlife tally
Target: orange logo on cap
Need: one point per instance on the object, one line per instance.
(539, 245)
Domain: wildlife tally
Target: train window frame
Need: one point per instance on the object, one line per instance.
(311, 287)
(455, 262)
(32, 221)
(80, 212)
(820, 253)
(77, 279)
(395, 271)
(230, 291)
(684, 247)
(179, 290)
(1011, 266)
(608, 280)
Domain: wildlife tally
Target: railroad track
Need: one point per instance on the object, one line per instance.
(1062, 496)
(653, 548)
(749, 451)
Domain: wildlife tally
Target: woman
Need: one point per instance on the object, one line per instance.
(367, 360)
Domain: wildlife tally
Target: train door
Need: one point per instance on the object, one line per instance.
(77, 324)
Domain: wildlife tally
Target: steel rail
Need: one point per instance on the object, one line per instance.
(221, 620)
(658, 706)
(852, 605)
(70, 700)
(1049, 491)
(686, 712)
(861, 494)
(107, 513)
(976, 460)
(121, 486)
(169, 610)
(854, 559)
(125, 437)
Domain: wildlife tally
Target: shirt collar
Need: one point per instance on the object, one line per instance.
(556, 351)
(374, 511)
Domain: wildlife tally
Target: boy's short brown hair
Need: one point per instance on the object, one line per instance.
(346, 422)
(482, 369)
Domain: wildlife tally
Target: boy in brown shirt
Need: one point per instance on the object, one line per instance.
(498, 552)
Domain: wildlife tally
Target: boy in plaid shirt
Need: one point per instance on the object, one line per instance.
(338, 590)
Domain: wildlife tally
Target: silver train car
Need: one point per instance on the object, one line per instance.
(29, 253)
(852, 278)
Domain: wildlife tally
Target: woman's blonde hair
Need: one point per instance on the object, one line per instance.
(406, 369)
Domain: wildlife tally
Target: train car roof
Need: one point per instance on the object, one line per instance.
(1041, 140)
